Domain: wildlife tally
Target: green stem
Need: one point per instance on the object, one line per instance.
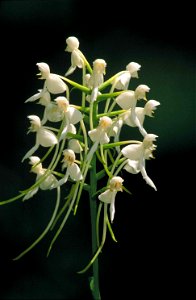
(46, 229)
(93, 213)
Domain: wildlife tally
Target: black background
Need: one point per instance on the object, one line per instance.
(152, 228)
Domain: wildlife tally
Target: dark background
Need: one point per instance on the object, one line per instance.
(152, 228)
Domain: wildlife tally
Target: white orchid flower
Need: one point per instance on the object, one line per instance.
(96, 78)
(127, 100)
(53, 83)
(133, 69)
(140, 91)
(44, 136)
(76, 56)
(46, 184)
(122, 81)
(72, 115)
(150, 107)
(100, 134)
(137, 154)
(109, 195)
(73, 171)
(141, 112)
(52, 112)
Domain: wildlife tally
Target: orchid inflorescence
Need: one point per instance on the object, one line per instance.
(83, 140)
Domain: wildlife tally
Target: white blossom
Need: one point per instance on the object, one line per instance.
(72, 115)
(109, 195)
(127, 101)
(121, 82)
(150, 106)
(53, 83)
(52, 112)
(141, 112)
(73, 171)
(37, 168)
(96, 78)
(76, 56)
(44, 136)
(137, 154)
(133, 69)
(140, 91)
(100, 134)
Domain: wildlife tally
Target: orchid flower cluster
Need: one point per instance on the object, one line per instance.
(83, 142)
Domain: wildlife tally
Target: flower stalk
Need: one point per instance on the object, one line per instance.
(93, 216)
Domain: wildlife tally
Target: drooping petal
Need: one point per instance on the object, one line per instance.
(61, 181)
(133, 68)
(109, 197)
(145, 175)
(74, 145)
(75, 172)
(36, 165)
(31, 151)
(122, 82)
(70, 70)
(116, 127)
(126, 100)
(139, 113)
(104, 139)
(48, 182)
(34, 97)
(112, 207)
(46, 137)
(73, 115)
(70, 128)
(76, 59)
(55, 84)
(94, 134)
(106, 196)
(133, 151)
(30, 194)
(132, 166)
(45, 98)
(53, 113)
(137, 123)
(99, 135)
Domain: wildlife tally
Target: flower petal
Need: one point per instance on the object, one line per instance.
(74, 116)
(106, 196)
(75, 172)
(55, 84)
(48, 182)
(46, 138)
(132, 166)
(31, 193)
(126, 100)
(133, 151)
